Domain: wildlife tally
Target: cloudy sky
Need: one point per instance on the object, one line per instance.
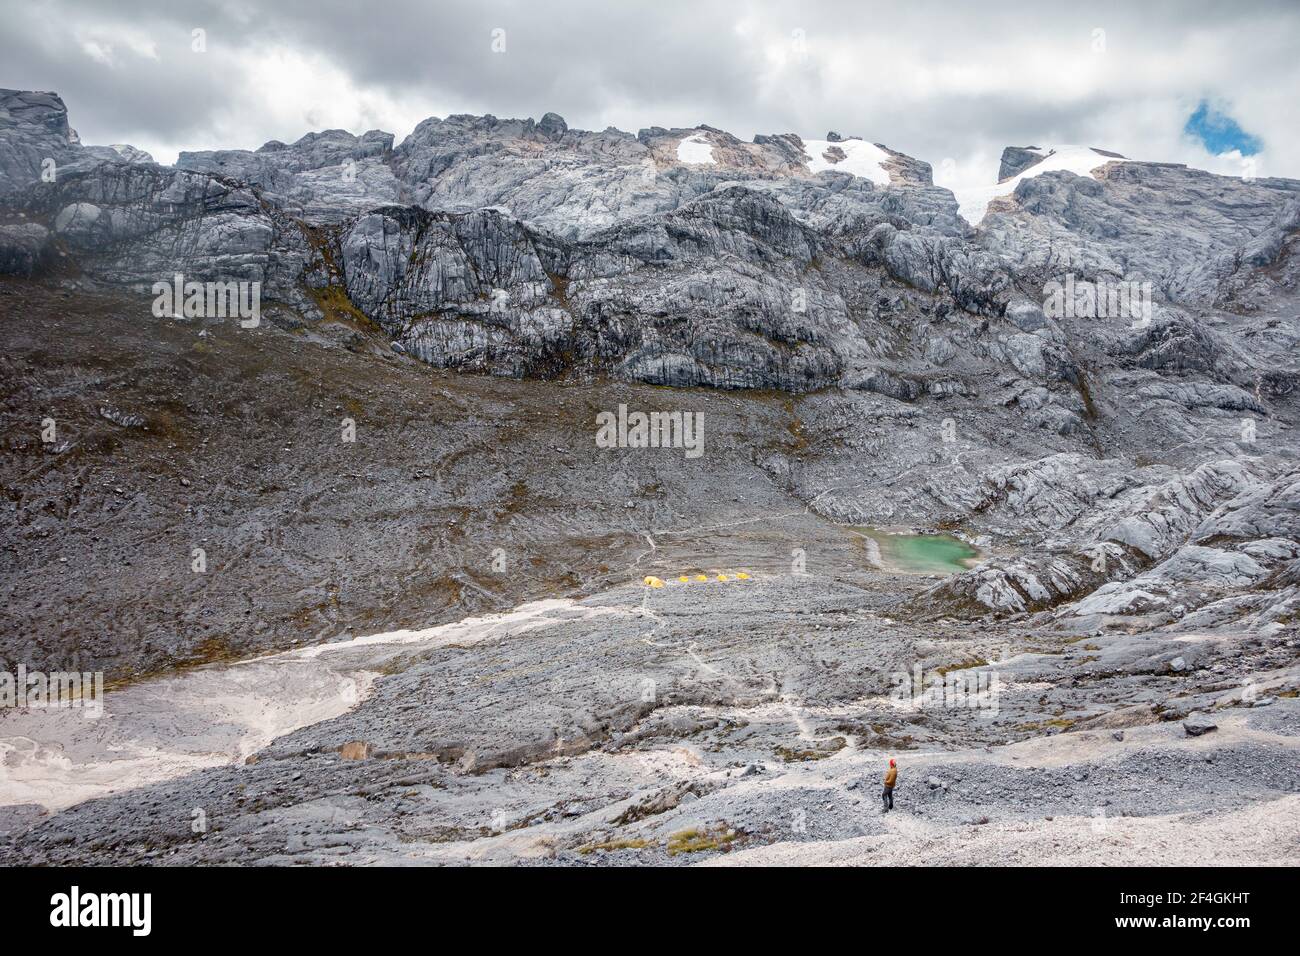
(951, 83)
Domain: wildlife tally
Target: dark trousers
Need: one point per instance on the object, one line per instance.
(887, 798)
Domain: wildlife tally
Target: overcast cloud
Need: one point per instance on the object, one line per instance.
(953, 82)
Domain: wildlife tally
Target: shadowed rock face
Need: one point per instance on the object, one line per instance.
(33, 128)
(1016, 159)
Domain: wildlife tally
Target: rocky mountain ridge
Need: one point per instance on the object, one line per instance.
(526, 248)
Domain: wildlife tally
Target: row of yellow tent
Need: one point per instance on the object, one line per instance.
(653, 582)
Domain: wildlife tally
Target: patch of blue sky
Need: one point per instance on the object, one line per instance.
(1219, 132)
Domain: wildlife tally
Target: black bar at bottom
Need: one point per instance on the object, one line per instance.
(336, 905)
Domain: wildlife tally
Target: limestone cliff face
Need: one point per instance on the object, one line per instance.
(677, 257)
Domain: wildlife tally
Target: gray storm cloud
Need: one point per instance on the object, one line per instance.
(942, 82)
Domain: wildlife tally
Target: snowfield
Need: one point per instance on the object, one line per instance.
(860, 158)
(1080, 160)
(221, 714)
(696, 151)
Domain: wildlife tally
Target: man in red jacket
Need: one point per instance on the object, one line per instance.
(891, 778)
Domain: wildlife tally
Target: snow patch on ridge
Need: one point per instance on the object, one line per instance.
(1080, 160)
(696, 150)
(861, 158)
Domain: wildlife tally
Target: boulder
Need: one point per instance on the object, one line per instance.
(1198, 724)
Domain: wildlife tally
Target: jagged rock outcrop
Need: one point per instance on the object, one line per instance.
(33, 131)
(322, 178)
(37, 145)
(1187, 232)
(119, 153)
(1222, 527)
(136, 224)
(675, 256)
(1016, 159)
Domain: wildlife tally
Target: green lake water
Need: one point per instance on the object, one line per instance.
(921, 553)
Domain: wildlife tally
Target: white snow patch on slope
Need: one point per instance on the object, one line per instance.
(696, 150)
(221, 714)
(860, 158)
(1080, 160)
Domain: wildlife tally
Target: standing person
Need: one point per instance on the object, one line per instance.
(887, 795)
